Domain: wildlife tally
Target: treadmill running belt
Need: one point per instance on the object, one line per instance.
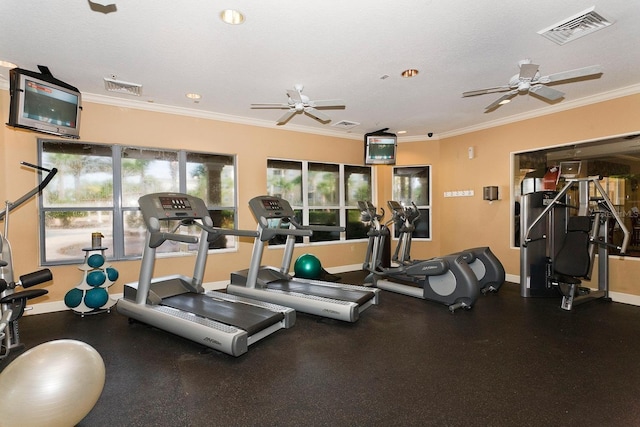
(244, 316)
(359, 297)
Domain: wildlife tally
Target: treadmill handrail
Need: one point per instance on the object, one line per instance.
(157, 238)
(228, 231)
(313, 227)
(268, 233)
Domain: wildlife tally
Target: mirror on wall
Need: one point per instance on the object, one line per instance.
(615, 159)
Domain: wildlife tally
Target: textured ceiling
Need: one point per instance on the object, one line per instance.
(336, 49)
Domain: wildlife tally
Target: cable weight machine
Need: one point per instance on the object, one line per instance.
(13, 302)
(546, 223)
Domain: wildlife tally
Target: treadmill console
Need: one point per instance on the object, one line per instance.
(172, 206)
(270, 207)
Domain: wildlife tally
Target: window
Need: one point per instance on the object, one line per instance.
(97, 189)
(284, 179)
(322, 194)
(412, 184)
(357, 181)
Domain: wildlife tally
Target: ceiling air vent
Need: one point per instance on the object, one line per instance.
(579, 25)
(113, 85)
(345, 124)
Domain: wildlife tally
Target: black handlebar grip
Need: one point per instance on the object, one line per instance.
(36, 278)
(23, 295)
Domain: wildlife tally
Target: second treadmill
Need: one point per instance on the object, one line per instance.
(327, 299)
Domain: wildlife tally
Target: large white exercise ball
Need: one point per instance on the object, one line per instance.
(54, 384)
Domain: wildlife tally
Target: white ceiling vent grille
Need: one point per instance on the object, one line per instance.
(113, 85)
(345, 124)
(579, 25)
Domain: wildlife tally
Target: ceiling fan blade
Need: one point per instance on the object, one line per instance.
(498, 102)
(295, 96)
(285, 117)
(485, 91)
(327, 103)
(528, 71)
(572, 74)
(268, 105)
(546, 92)
(321, 117)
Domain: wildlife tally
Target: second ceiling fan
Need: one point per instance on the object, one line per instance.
(297, 103)
(530, 81)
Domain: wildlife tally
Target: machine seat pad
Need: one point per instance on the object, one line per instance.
(342, 294)
(244, 316)
(562, 278)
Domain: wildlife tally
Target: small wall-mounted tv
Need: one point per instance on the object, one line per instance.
(42, 103)
(380, 149)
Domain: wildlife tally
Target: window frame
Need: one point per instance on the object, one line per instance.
(342, 207)
(421, 207)
(118, 209)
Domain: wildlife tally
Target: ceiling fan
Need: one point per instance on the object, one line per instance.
(530, 81)
(298, 103)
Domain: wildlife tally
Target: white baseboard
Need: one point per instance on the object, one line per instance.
(512, 278)
(615, 296)
(625, 298)
(54, 306)
(51, 307)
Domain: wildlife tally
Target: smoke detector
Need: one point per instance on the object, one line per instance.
(113, 85)
(585, 22)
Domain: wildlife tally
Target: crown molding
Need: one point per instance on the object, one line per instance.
(191, 112)
(562, 106)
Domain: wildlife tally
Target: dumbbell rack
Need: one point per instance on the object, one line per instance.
(83, 303)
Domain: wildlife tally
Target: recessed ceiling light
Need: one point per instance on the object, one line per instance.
(400, 132)
(411, 72)
(194, 96)
(232, 17)
(8, 64)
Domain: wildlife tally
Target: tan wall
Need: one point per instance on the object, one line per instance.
(457, 222)
(124, 126)
(472, 221)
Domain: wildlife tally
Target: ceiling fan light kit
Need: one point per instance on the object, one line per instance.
(297, 103)
(530, 81)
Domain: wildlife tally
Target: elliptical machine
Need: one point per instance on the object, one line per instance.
(448, 280)
(12, 302)
(484, 264)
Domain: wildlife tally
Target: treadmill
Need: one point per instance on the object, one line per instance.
(179, 304)
(321, 298)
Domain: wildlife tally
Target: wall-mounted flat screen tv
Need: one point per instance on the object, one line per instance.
(380, 149)
(41, 103)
